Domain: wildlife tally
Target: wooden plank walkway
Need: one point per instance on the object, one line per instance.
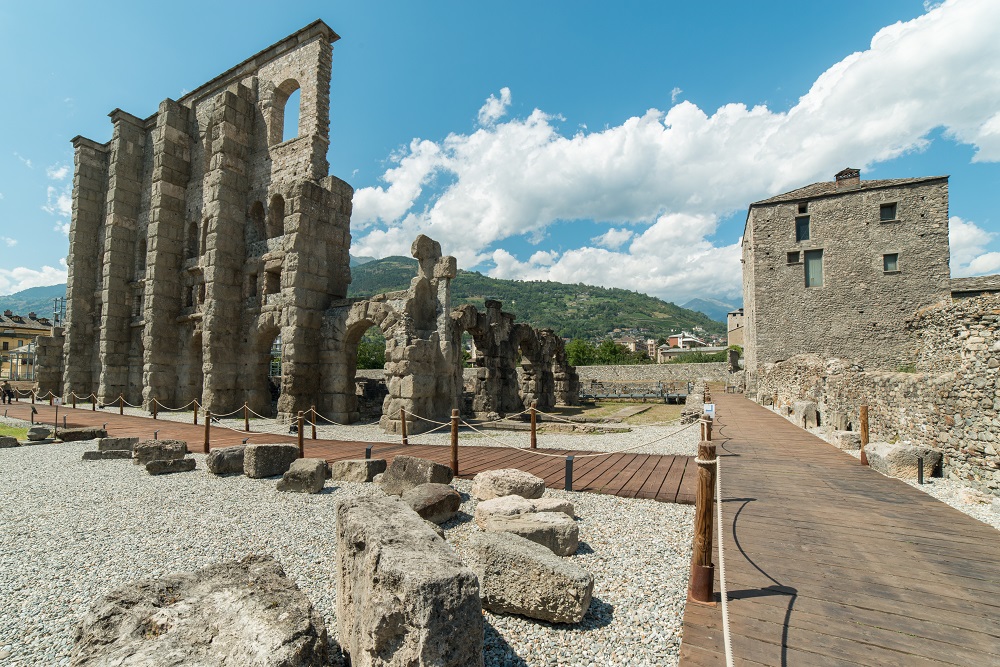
(664, 478)
(830, 563)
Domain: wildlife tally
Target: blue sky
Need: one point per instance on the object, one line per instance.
(569, 141)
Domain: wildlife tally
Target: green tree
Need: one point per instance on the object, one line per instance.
(371, 354)
(580, 353)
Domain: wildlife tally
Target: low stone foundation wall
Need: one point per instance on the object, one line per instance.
(954, 412)
(713, 372)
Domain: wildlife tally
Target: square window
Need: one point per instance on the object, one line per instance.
(793, 257)
(890, 262)
(814, 268)
(803, 207)
(887, 212)
(802, 228)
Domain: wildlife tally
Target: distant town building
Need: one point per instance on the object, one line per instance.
(17, 335)
(837, 268)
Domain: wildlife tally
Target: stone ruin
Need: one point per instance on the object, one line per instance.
(500, 344)
(202, 239)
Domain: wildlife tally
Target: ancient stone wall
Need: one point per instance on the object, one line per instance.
(861, 310)
(201, 234)
(950, 402)
(652, 373)
(48, 362)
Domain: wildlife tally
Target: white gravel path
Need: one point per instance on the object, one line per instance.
(70, 531)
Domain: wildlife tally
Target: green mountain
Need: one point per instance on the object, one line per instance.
(33, 300)
(573, 311)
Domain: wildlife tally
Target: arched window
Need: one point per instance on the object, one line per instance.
(192, 240)
(141, 265)
(204, 236)
(285, 114)
(276, 217)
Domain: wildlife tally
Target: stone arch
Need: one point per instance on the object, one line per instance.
(263, 386)
(276, 217)
(277, 110)
(495, 386)
(254, 232)
(566, 381)
(192, 240)
(536, 374)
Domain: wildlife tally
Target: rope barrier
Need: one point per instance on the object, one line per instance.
(432, 421)
(723, 594)
(161, 406)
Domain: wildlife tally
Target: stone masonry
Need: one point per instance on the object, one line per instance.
(950, 400)
(880, 249)
(200, 234)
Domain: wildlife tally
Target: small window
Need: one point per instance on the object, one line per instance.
(814, 268)
(890, 262)
(803, 207)
(887, 212)
(6, 346)
(802, 228)
(794, 257)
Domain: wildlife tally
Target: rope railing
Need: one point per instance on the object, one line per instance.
(560, 418)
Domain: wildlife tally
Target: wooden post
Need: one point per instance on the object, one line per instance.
(154, 407)
(534, 428)
(706, 428)
(121, 404)
(208, 425)
(32, 396)
(246, 418)
(701, 587)
(864, 434)
(93, 402)
(312, 409)
(73, 395)
(50, 398)
(454, 442)
(196, 408)
(302, 449)
(402, 422)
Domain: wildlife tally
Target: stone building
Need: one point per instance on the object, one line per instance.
(201, 234)
(838, 268)
(734, 327)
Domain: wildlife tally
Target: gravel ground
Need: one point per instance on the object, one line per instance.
(72, 531)
(674, 438)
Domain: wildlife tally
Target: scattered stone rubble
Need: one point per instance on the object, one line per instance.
(268, 460)
(491, 484)
(407, 472)
(304, 476)
(231, 613)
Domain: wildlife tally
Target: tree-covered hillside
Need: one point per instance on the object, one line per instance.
(573, 311)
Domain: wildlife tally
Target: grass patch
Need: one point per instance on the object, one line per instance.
(14, 432)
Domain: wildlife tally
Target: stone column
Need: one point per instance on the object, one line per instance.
(226, 198)
(123, 201)
(49, 362)
(164, 288)
(90, 180)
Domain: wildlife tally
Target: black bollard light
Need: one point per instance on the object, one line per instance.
(569, 473)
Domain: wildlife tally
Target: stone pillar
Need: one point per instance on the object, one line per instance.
(226, 193)
(83, 308)
(165, 254)
(49, 362)
(123, 201)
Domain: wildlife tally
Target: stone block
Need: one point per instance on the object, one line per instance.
(502, 507)
(304, 476)
(510, 481)
(403, 595)
(805, 414)
(226, 461)
(517, 576)
(117, 444)
(159, 450)
(407, 472)
(268, 460)
(7, 442)
(846, 440)
(36, 433)
(159, 467)
(434, 502)
(232, 613)
(554, 530)
(357, 470)
(898, 460)
(108, 455)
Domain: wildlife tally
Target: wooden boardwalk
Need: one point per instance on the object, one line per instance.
(664, 478)
(830, 563)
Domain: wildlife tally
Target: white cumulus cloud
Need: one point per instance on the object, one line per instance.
(682, 169)
(495, 108)
(57, 172)
(21, 278)
(969, 254)
(9, 242)
(613, 238)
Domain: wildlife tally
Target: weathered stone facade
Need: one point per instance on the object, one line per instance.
(951, 402)
(879, 250)
(201, 234)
